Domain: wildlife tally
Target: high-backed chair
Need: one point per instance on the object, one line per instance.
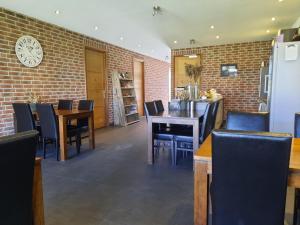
(247, 121)
(16, 172)
(184, 141)
(49, 127)
(24, 117)
(161, 135)
(214, 114)
(249, 177)
(65, 104)
(297, 190)
(159, 106)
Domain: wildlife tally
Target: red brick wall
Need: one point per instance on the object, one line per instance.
(240, 93)
(62, 71)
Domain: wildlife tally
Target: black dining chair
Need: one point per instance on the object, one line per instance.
(49, 127)
(247, 121)
(159, 106)
(65, 104)
(184, 141)
(16, 171)
(161, 135)
(24, 117)
(297, 190)
(249, 177)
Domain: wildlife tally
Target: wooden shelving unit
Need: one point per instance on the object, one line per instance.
(124, 98)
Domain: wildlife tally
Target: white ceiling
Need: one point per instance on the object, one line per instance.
(181, 20)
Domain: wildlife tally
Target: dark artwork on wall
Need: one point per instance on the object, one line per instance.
(229, 70)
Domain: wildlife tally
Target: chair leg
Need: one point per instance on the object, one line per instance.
(296, 205)
(44, 148)
(70, 140)
(175, 153)
(78, 144)
(172, 152)
(57, 149)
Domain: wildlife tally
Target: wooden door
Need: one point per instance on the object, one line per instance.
(138, 76)
(96, 84)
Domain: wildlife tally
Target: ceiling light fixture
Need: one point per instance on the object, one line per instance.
(218, 37)
(280, 0)
(268, 31)
(96, 27)
(122, 38)
(175, 42)
(156, 10)
(273, 18)
(212, 27)
(57, 12)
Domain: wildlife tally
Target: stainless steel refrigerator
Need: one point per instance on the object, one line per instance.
(284, 96)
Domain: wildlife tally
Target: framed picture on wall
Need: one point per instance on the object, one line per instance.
(229, 70)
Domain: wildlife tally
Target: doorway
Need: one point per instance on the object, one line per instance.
(96, 84)
(138, 77)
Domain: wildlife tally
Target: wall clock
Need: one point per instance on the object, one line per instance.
(29, 51)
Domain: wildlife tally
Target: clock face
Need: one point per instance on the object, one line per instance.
(29, 51)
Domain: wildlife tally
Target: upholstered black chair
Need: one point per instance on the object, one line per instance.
(161, 135)
(249, 177)
(24, 117)
(247, 121)
(214, 114)
(297, 190)
(184, 141)
(49, 127)
(65, 104)
(16, 172)
(159, 106)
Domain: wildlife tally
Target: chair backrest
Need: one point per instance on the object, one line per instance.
(214, 113)
(16, 171)
(248, 121)
(85, 105)
(65, 104)
(48, 120)
(249, 177)
(150, 109)
(297, 125)
(206, 127)
(159, 106)
(24, 117)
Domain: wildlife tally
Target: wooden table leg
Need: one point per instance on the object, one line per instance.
(63, 137)
(195, 135)
(150, 142)
(91, 131)
(37, 198)
(200, 193)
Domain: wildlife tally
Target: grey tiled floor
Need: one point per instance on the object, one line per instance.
(113, 185)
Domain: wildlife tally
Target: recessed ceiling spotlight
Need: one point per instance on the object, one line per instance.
(212, 27)
(280, 0)
(139, 45)
(218, 37)
(175, 42)
(96, 27)
(122, 38)
(57, 12)
(268, 31)
(273, 18)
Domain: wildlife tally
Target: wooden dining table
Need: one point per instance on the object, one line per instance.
(203, 168)
(183, 117)
(63, 117)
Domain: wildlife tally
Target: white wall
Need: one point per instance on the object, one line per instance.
(297, 23)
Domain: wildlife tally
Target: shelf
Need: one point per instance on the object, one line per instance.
(122, 79)
(131, 96)
(129, 114)
(124, 88)
(135, 121)
(130, 105)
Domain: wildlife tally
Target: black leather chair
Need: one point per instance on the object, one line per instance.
(159, 106)
(49, 127)
(249, 177)
(16, 171)
(24, 117)
(65, 104)
(247, 121)
(161, 135)
(297, 190)
(214, 114)
(184, 141)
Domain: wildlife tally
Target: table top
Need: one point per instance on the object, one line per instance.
(178, 114)
(205, 151)
(70, 112)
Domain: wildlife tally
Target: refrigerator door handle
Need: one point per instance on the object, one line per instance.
(266, 86)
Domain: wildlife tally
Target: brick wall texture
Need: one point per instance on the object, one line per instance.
(61, 75)
(240, 93)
